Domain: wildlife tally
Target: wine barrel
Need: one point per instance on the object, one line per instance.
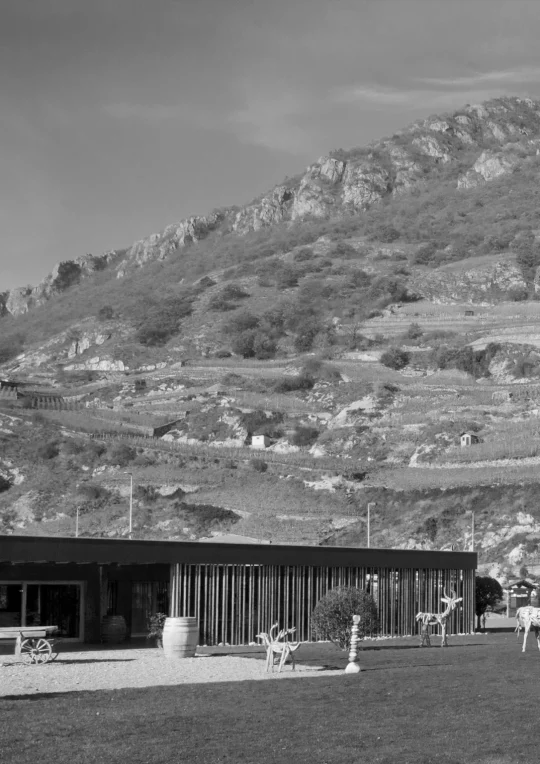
(180, 637)
(113, 629)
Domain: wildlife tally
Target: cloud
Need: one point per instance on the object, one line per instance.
(378, 98)
(504, 77)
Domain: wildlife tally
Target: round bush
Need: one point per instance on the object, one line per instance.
(258, 465)
(332, 617)
(395, 358)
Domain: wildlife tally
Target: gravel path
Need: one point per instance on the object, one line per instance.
(121, 667)
(95, 667)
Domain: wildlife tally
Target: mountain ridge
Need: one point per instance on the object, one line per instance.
(483, 141)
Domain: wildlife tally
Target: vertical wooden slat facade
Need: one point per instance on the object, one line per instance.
(234, 603)
(237, 591)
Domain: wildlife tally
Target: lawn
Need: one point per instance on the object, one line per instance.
(473, 702)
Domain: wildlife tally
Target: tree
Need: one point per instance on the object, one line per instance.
(414, 332)
(105, 313)
(488, 594)
(332, 616)
(395, 358)
(11, 346)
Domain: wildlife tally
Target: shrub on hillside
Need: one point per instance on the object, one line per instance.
(395, 358)
(425, 254)
(286, 277)
(5, 484)
(467, 359)
(206, 282)
(304, 253)
(517, 294)
(49, 450)
(254, 344)
(257, 422)
(11, 346)
(305, 336)
(386, 233)
(291, 384)
(120, 454)
(105, 313)
(304, 436)
(332, 617)
(317, 369)
(163, 321)
(258, 465)
(68, 274)
(227, 298)
(343, 250)
(92, 492)
(202, 518)
(414, 332)
(241, 322)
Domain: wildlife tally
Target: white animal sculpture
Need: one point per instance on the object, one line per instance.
(278, 647)
(528, 617)
(440, 619)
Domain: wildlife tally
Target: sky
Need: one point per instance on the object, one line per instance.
(119, 117)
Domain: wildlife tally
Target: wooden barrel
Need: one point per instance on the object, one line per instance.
(180, 637)
(113, 629)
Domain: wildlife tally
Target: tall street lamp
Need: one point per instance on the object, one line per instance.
(130, 502)
(371, 504)
(472, 531)
(77, 524)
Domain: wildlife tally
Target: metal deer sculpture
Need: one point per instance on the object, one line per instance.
(528, 617)
(278, 647)
(438, 619)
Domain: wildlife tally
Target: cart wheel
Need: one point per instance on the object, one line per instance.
(36, 650)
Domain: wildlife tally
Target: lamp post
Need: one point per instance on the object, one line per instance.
(371, 504)
(130, 502)
(472, 531)
(77, 524)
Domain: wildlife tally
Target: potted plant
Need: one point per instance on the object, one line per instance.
(155, 628)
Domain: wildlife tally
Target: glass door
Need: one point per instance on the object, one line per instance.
(55, 604)
(11, 604)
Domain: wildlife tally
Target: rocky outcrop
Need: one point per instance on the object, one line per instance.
(83, 341)
(63, 276)
(492, 164)
(97, 364)
(481, 284)
(158, 246)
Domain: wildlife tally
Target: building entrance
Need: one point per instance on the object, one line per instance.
(30, 603)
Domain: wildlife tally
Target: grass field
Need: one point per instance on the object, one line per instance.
(473, 702)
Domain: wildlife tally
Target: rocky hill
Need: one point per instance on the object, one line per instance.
(355, 321)
(476, 144)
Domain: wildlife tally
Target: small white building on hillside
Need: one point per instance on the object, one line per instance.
(468, 439)
(260, 441)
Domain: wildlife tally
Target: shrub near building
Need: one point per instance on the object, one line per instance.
(332, 616)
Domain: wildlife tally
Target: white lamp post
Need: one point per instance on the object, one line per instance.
(371, 504)
(77, 524)
(130, 502)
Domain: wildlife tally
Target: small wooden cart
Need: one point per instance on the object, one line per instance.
(34, 644)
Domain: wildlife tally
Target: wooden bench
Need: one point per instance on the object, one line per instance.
(32, 643)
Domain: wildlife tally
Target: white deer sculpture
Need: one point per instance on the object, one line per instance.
(528, 617)
(279, 647)
(438, 619)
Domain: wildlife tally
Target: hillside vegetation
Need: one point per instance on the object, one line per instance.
(361, 316)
